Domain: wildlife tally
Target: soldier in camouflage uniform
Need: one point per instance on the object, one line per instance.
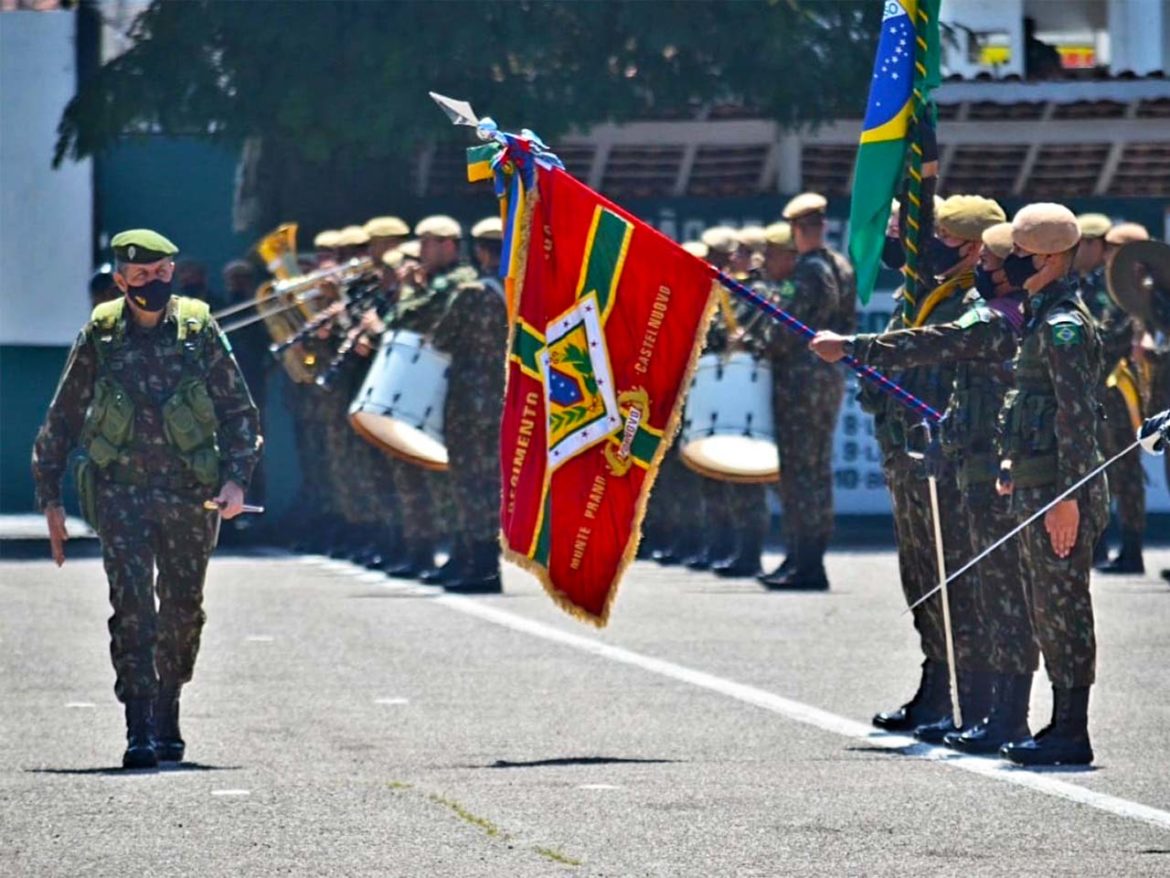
(155, 400)
(952, 236)
(996, 652)
(474, 332)
(807, 395)
(1120, 394)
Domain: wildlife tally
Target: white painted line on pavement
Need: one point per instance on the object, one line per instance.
(597, 786)
(812, 716)
(259, 638)
(231, 792)
(80, 704)
(393, 701)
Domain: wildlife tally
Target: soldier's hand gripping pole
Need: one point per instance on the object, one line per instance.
(1039, 513)
(869, 373)
(932, 459)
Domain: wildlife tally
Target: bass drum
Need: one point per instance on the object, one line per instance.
(399, 407)
(728, 432)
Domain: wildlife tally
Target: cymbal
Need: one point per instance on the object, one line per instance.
(1138, 280)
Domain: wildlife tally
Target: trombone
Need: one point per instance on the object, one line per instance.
(277, 297)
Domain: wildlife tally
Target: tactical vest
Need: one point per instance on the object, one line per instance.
(1028, 420)
(188, 416)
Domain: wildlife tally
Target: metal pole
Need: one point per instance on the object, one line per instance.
(952, 670)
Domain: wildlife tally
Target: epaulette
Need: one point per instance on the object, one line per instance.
(191, 314)
(105, 316)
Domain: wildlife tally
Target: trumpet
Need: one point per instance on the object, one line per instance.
(297, 292)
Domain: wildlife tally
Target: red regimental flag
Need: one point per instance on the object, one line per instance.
(611, 319)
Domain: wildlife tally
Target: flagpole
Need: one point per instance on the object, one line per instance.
(869, 373)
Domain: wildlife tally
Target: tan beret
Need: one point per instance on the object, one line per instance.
(489, 229)
(393, 257)
(352, 236)
(387, 227)
(720, 239)
(780, 235)
(804, 204)
(998, 239)
(410, 249)
(439, 226)
(966, 216)
(327, 240)
(1045, 228)
(752, 237)
(1094, 225)
(1127, 233)
(697, 248)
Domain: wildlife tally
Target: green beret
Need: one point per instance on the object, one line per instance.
(141, 246)
(967, 216)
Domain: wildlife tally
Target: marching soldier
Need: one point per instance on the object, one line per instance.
(474, 332)
(155, 400)
(807, 396)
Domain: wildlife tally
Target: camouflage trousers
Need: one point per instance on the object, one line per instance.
(141, 529)
(1005, 642)
(474, 475)
(1127, 479)
(676, 504)
(805, 405)
(918, 564)
(423, 502)
(733, 515)
(1058, 588)
(309, 431)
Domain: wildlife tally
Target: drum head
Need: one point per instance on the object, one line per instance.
(731, 458)
(401, 440)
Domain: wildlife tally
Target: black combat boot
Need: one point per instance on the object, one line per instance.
(482, 574)
(1006, 721)
(140, 751)
(930, 703)
(719, 544)
(807, 570)
(744, 562)
(416, 558)
(1064, 741)
(678, 549)
(1129, 559)
(976, 694)
(455, 568)
(168, 740)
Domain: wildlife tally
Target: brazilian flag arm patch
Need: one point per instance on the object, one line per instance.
(1066, 334)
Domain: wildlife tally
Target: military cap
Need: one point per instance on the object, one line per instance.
(998, 239)
(393, 257)
(327, 240)
(386, 227)
(488, 229)
(720, 239)
(697, 248)
(1045, 228)
(438, 226)
(966, 216)
(804, 204)
(410, 249)
(1127, 233)
(352, 236)
(780, 235)
(141, 246)
(1094, 225)
(753, 238)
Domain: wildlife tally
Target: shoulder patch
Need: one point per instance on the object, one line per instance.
(1066, 333)
(978, 314)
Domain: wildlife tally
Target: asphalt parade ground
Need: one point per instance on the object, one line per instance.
(342, 723)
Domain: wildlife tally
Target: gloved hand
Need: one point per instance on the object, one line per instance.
(1155, 433)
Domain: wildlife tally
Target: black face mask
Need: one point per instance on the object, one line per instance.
(984, 282)
(943, 257)
(1018, 269)
(152, 296)
(893, 254)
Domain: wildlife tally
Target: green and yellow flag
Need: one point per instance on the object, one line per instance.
(905, 71)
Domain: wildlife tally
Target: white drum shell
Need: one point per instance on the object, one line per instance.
(399, 407)
(728, 432)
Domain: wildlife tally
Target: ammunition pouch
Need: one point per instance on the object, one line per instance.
(190, 423)
(109, 426)
(85, 478)
(1034, 472)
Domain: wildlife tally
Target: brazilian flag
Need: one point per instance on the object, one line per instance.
(905, 70)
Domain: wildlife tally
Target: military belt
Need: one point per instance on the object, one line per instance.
(978, 468)
(120, 474)
(1034, 472)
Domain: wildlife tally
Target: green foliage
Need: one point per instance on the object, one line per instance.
(326, 77)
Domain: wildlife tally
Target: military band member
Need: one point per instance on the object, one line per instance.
(153, 397)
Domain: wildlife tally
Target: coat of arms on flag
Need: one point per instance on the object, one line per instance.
(609, 319)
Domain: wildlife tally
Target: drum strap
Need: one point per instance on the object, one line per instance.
(728, 312)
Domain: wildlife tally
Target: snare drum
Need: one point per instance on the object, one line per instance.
(728, 432)
(400, 405)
